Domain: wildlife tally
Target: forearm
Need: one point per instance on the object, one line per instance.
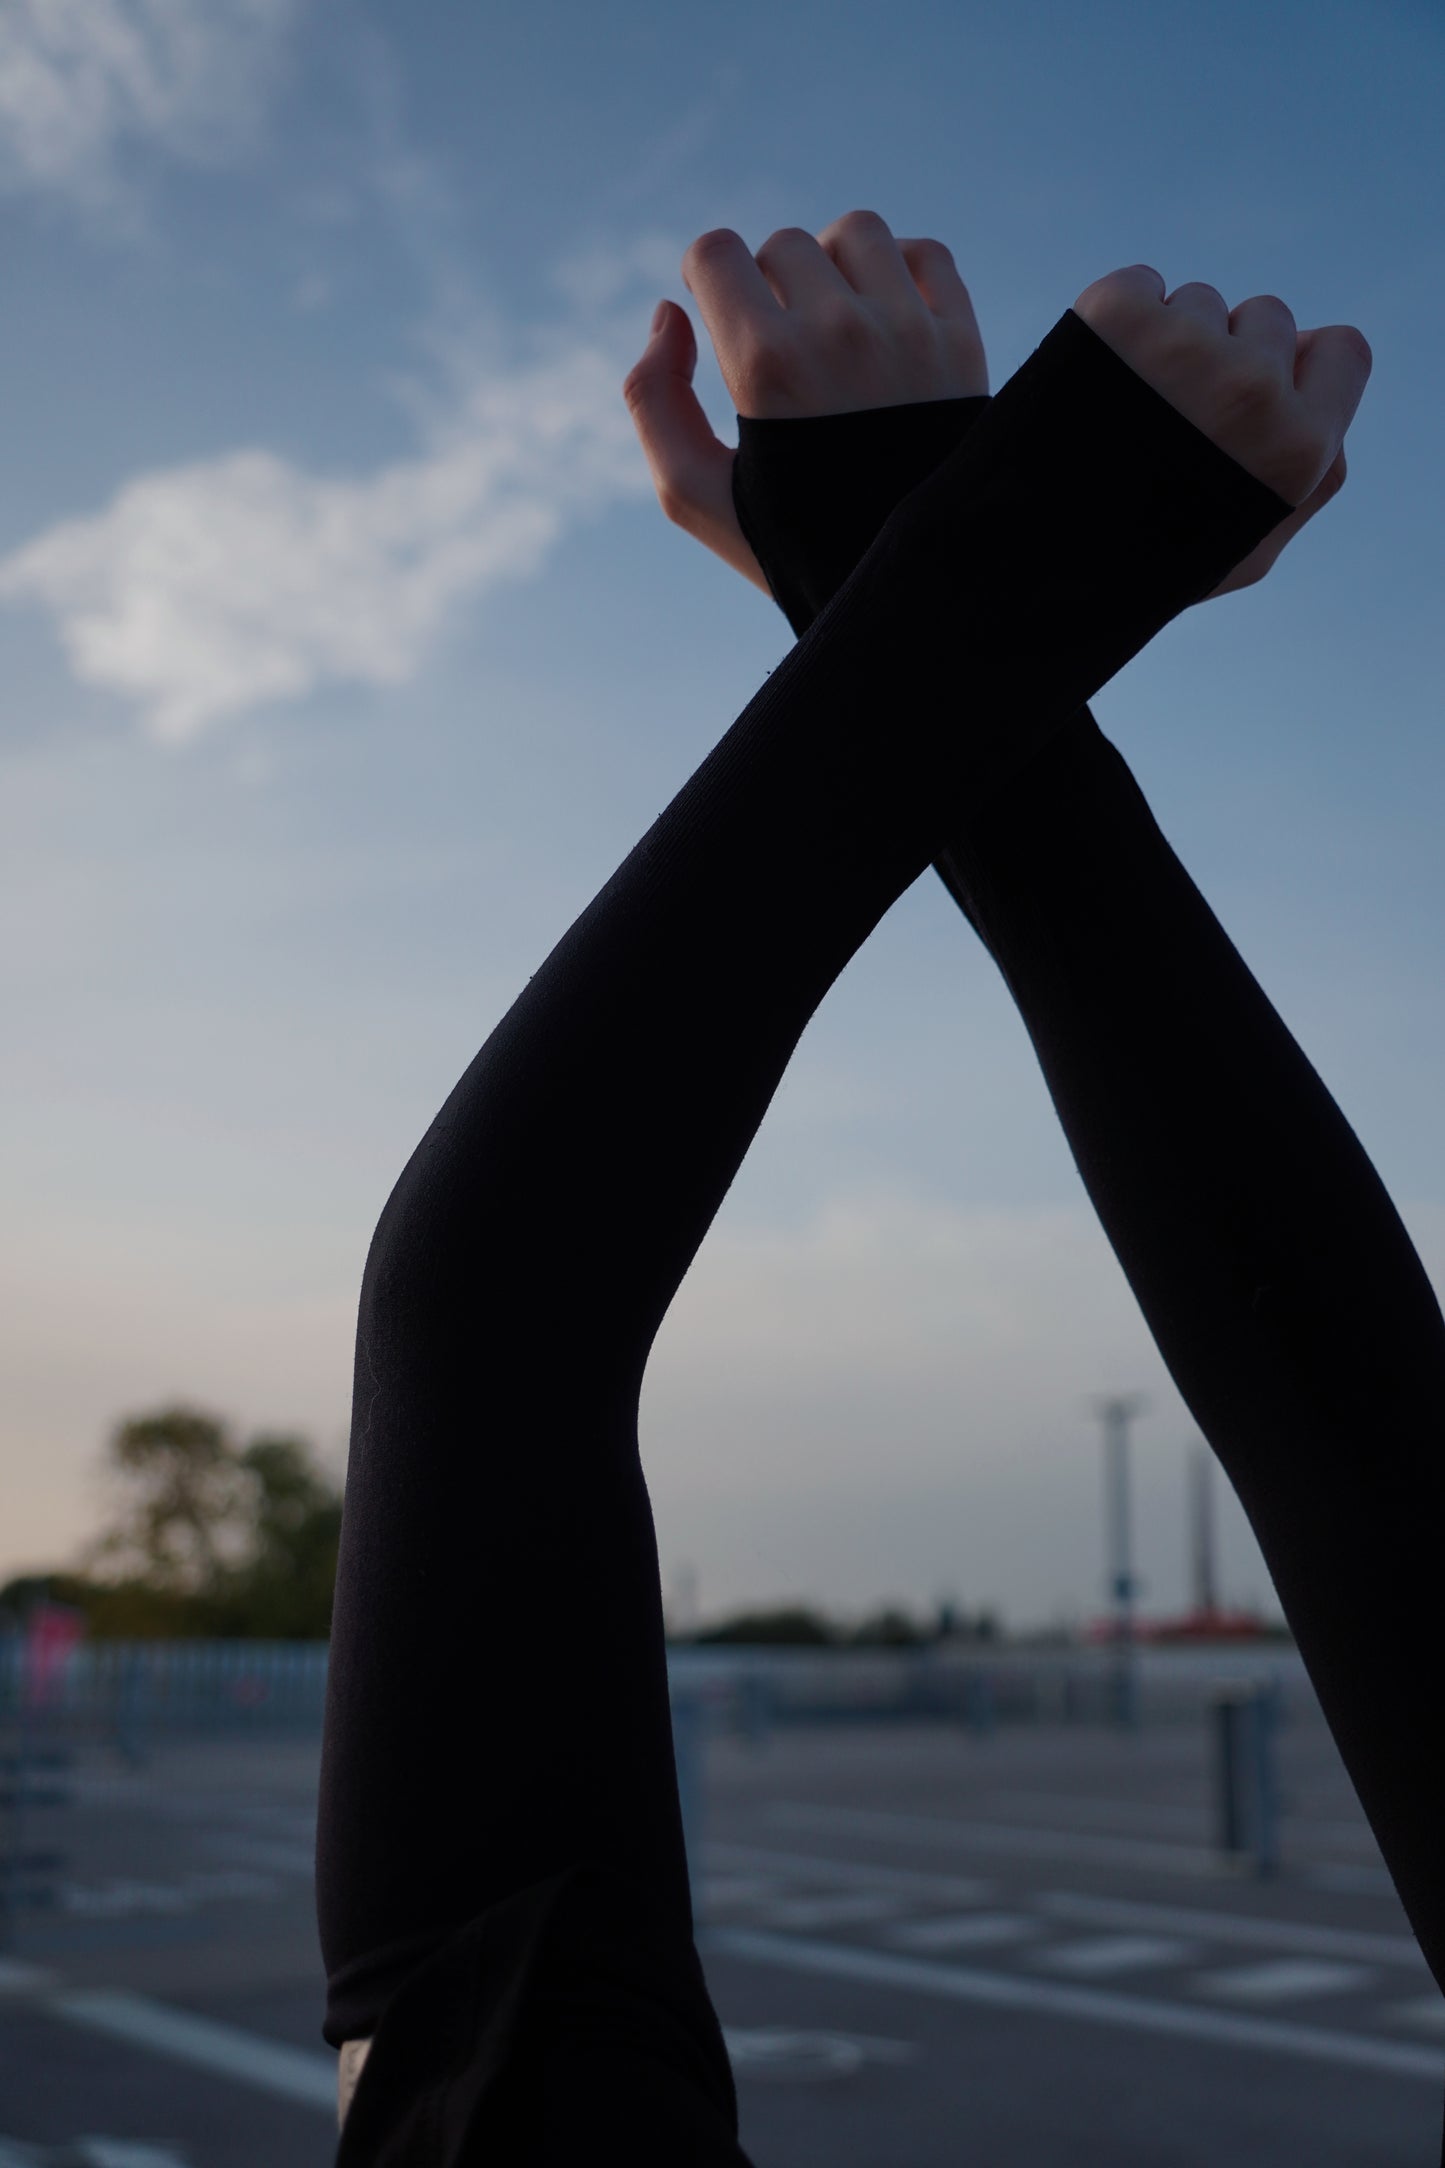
(1274, 1273)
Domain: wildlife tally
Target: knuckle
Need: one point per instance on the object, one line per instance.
(934, 251)
(783, 233)
(717, 241)
(869, 221)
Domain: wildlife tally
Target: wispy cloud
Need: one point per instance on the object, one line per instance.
(80, 79)
(207, 589)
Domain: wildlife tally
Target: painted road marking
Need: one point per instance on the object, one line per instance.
(956, 1889)
(849, 1908)
(273, 1852)
(964, 1931)
(1264, 1934)
(1352, 1881)
(1090, 1911)
(123, 1899)
(1286, 1979)
(1135, 1852)
(1093, 2005)
(1427, 2014)
(294, 2073)
(1103, 1955)
(718, 1890)
(776, 2052)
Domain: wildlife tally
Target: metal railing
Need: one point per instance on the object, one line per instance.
(131, 1694)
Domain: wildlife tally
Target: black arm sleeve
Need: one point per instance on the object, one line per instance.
(497, 1705)
(1281, 1288)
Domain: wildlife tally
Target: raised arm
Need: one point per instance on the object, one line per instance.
(1272, 1269)
(527, 1256)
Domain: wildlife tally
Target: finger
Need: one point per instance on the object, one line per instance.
(861, 245)
(799, 272)
(1139, 284)
(691, 467)
(719, 271)
(935, 274)
(1332, 367)
(1267, 326)
(1205, 304)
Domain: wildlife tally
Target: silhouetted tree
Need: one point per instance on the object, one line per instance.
(182, 1498)
(888, 1629)
(206, 1538)
(283, 1589)
(791, 1627)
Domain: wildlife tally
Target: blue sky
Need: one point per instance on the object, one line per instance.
(346, 653)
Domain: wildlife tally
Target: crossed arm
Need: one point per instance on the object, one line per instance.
(1275, 1275)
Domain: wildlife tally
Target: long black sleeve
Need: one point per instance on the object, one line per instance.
(497, 1703)
(1281, 1288)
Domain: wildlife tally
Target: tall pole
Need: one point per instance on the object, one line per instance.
(1206, 1598)
(1117, 1411)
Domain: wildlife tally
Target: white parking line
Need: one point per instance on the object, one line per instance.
(1095, 2006)
(964, 1931)
(1102, 1955)
(953, 1889)
(1267, 1934)
(1286, 1980)
(1209, 1926)
(1353, 1881)
(120, 1898)
(846, 1908)
(293, 2073)
(1136, 1852)
(1426, 2014)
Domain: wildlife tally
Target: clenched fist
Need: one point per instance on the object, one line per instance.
(1277, 399)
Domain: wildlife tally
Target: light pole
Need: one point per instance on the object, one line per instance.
(1117, 1411)
(1206, 1595)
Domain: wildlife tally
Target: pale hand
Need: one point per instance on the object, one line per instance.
(851, 320)
(856, 319)
(1278, 400)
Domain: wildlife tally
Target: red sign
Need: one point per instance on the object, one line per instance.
(52, 1631)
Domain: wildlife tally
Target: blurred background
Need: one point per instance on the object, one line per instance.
(346, 654)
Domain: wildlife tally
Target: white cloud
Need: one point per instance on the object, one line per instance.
(207, 589)
(80, 77)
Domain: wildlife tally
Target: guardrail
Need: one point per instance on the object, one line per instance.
(130, 1690)
(28, 1877)
(133, 1692)
(133, 1688)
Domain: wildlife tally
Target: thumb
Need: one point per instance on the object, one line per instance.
(691, 467)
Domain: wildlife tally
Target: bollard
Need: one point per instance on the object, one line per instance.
(130, 1707)
(689, 1724)
(979, 1704)
(1246, 1793)
(752, 1704)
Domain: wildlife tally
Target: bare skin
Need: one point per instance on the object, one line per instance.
(855, 318)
